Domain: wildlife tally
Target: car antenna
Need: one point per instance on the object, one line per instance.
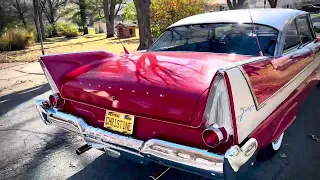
(124, 48)
(255, 32)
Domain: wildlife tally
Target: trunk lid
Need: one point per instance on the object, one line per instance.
(160, 85)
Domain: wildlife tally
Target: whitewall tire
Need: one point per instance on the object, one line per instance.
(276, 144)
(271, 150)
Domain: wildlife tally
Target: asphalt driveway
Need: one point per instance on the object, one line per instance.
(30, 150)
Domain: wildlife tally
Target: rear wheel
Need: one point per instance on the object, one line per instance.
(271, 150)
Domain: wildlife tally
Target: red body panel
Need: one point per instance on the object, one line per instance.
(268, 76)
(60, 65)
(146, 128)
(162, 85)
(285, 114)
(166, 90)
(233, 114)
(163, 90)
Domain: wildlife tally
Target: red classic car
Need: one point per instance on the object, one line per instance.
(210, 94)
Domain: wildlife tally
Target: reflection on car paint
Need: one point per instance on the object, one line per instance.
(269, 76)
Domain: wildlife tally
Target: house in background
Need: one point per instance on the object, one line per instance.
(216, 5)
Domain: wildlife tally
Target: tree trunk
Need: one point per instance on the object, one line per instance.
(143, 16)
(2, 20)
(21, 16)
(51, 12)
(109, 14)
(36, 19)
(230, 5)
(51, 18)
(110, 30)
(235, 4)
(43, 33)
(82, 7)
(273, 3)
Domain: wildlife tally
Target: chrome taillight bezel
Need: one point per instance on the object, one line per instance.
(220, 116)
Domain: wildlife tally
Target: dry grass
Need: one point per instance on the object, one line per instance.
(63, 45)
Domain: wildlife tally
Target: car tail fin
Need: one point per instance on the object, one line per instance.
(218, 113)
(56, 67)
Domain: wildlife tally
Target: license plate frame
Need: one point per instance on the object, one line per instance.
(119, 122)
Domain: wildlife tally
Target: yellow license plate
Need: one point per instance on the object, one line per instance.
(119, 122)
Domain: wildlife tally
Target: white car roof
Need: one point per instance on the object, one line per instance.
(276, 18)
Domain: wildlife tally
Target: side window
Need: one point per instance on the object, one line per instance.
(304, 29)
(292, 37)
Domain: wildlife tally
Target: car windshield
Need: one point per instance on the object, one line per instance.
(218, 38)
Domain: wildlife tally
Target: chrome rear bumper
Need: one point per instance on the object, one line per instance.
(165, 153)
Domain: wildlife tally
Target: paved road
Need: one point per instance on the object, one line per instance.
(30, 150)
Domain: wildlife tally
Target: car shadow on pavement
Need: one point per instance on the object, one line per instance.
(105, 167)
(8, 102)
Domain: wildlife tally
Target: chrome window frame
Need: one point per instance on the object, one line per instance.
(306, 16)
(285, 51)
(280, 49)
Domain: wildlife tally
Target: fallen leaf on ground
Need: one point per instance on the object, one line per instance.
(314, 137)
(72, 165)
(283, 155)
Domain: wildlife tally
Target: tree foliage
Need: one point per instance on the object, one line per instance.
(20, 8)
(95, 10)
(166, 12)
(130, 13)
(79, 15)
(235, 4)
(273, 3)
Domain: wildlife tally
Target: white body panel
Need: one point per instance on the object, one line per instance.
(247, 116)
(277, 18)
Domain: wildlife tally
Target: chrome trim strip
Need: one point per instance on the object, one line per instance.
(79, 126)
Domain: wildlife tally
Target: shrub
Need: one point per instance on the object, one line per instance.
(49, 30)
(66, 29)
(61, 29)
(15, 39)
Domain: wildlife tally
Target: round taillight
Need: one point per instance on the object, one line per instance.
(215, 136)
(55, 100)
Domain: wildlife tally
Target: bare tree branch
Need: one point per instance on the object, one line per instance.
(119, 7)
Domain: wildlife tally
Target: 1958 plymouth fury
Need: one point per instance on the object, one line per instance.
(210, 94)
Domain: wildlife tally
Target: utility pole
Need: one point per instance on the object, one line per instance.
(264, 3)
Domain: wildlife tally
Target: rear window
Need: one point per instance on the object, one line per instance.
(218, 38)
